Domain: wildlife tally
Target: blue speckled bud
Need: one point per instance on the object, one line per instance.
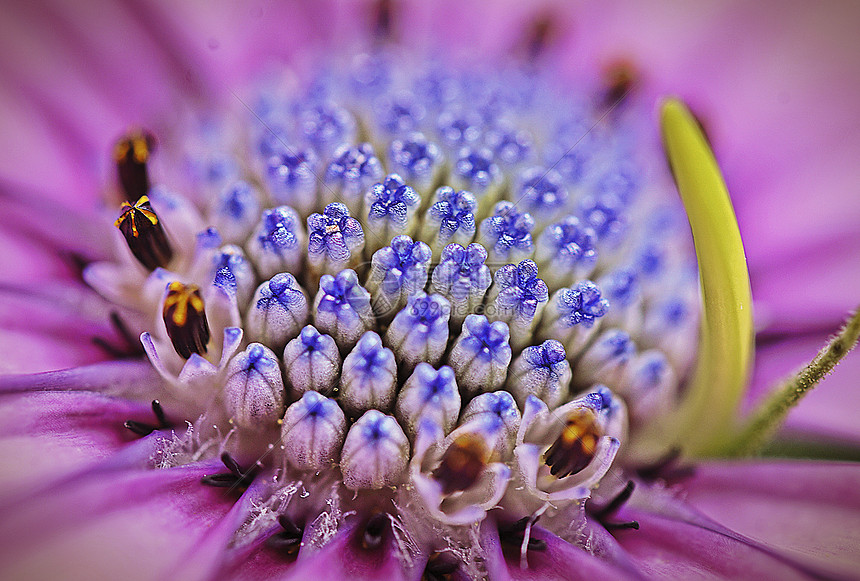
(573, 316)
(481, 355)
(325, 126)
(451, 219)
(517, 297)
(511, 147)
(507, 235)
(607, 216)
(475, 169)
(375, 453)
(391, 207)
(458, 128)
(565, 252)
(335, 241)
(398, 113)
(236, 211)
(605, 360)
(397, 272)
(462, 278)
(428, 395)
(291, 177)
(313, 432)
(420, 331)
(416, 159)
(649, 385)
(278, 312)
(254, 390)
(369, 377)
(342, 308)
(311, 363)
(542, 371)
(278, 242)
(351, 172)
(623, 290)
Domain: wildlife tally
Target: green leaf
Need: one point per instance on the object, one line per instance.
(708, 411)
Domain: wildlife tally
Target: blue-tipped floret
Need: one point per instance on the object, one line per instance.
(350, 173)
(416, 158)
(606, 215)
(397, 271)
(451, 218)
(342, 308)
(236, 211)
(276, 245)
(565, 252)
(279, 310)
(481, 355)
(606, 359)
(335, 240)
(572, 315)
(458, 128)
(254, 390)
(429, 395)
(420, 331)
(369, 378)
(463, 278)
(398, 113)
(541, 193)
(623, 290)
(311, 363)
(291, 177)
(510, 146)
(542, 371)
(475, 169)
(507, 234)
(518, 297)
(391, 207)
(325, 125)
(233, 273)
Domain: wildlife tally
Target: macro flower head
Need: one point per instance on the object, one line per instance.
(389, 290)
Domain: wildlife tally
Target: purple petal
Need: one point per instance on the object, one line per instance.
(141, 521)
(807, 511)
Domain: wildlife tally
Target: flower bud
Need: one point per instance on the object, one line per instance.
(254, 389)
(375, 453)
(313, 432)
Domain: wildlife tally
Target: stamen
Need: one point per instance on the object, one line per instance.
(144, 234)
(417, 159)
(459, 128)
(185, 319)
(131, 154)
(278, 242)
(291, 177)
(279, 311)
(237, 209)
(517, 297)
(325, 126)
(420, 331)
(397, 272)
(572, 316)
(514, 534)
(236, 479)
(234, 273)
(462, 463)
(510, 146)
(398, 113)
(605, 361)
(574, 449)
(451, 219)
(335, 241)
(289, 540)
(475, 170)
(349, 175)
(142, 429)
(565, 252)
(541, 193)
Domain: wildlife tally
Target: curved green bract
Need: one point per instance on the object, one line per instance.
(707, 413)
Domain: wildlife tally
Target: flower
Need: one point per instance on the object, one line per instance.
(428, 490)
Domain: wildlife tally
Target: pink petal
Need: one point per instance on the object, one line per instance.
(139, 522)
(808, 511)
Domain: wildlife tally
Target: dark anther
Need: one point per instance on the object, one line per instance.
(384, 19)
(142, 429)
(289, 539)
(440, 566)
(375, 530)
(131, 154)
(462, 463)
(130, 345)
(144, 234)
(185, 319)
(574, 448)
(666, 468)
(235, 479)
(620, 78)
(612, 507)
(514, 533)
(540, 34)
